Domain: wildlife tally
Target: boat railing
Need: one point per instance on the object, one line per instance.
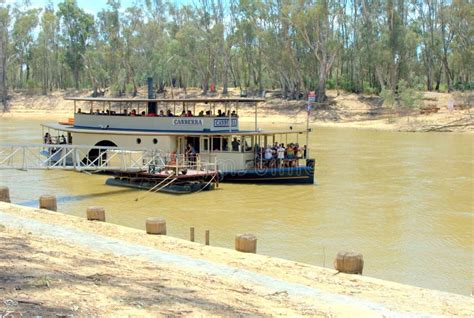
(178, 164)
(76, 157)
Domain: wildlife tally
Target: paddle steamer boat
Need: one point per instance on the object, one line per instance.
(205, 138)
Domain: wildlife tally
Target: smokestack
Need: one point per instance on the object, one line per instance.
(151, 95)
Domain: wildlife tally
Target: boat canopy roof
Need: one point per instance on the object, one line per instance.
(70, 128)
(166, 100)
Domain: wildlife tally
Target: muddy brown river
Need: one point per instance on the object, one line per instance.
(404, 200)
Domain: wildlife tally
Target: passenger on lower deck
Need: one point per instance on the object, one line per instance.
(190, 153)
(235, 145)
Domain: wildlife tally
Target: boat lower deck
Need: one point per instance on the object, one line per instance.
(293, 175)
(166, 181)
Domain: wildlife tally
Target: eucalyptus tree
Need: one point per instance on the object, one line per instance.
(76, 28)
(4, 42)
(22, 39)
(47, 47)
(315, 22)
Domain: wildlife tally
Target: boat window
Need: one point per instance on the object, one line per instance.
(216, 143)
(155, 141)
(139, 140)
(205, 144)
(220, 143)
(246, 144)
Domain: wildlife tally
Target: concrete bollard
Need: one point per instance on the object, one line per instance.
(96, 213)
(4, 194)
(246, 243)
(48, 202)
(156, 226)
(207, 237)
(349, 262)
(191, 234)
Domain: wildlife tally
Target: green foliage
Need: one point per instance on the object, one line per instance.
(382, 46)
(388, 97)
(368, 89)
(409, 97)
(76, 28)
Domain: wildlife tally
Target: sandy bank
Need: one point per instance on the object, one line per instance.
(53, 263)
(343, 110)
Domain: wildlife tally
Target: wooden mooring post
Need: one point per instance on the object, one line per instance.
(191, 234)
(48, 202)
(207, 237)
(246, 243)
(5, 194)
(156, 225)
(96, 213)
(349, 262)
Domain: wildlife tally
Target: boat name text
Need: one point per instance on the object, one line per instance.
(187, 121)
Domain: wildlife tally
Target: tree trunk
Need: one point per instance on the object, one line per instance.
(225, 75)
(321, 96)
(3, 88)
(76, 76)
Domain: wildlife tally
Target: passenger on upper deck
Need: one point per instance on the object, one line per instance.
(133, 113)
(161, 114)
(79, 111)
(201, 113)
(169, 113)
(183, 114)
(219, 113)
(125, 112)
(189, 114)
(234, 114)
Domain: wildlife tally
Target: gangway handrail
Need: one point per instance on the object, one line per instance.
(79, 157)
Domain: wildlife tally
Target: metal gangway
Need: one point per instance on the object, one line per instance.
(77, 157)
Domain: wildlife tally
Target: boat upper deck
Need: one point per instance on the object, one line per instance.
(160, 132)
(190, 114)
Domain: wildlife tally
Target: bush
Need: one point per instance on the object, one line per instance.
(409, 97)
(388, 97)
(331, 83)
(443, 88)
(369, 89)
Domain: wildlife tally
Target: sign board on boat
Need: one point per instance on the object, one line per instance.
(224, 122)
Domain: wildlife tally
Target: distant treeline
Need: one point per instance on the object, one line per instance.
(371, 46)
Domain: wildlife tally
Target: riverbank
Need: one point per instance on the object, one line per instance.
(54, 264)
(343, 110)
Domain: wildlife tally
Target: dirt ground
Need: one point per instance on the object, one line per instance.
(342, 110)
(47, 275)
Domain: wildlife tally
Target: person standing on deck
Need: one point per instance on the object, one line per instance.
(268, 155)
(235, 145)
(190, 153)
(281, 155)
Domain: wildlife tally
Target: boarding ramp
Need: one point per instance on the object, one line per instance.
(77, 157)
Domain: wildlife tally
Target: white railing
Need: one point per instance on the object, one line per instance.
(75, 157)
(89, 158)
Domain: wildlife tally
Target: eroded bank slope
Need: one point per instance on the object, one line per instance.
(57, 264)
(343, 109)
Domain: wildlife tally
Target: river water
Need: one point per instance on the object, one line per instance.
(404, 200)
